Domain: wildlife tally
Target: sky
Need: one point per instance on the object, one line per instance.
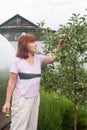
(52, 12)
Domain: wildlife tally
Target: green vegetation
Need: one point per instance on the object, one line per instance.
(57, 114)
(68, 78)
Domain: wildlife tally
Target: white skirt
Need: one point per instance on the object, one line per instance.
(24, 113)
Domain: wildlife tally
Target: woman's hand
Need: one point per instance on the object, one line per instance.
(60, 44)
(6, 108)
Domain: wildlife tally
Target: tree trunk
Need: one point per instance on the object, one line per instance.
(75, 115)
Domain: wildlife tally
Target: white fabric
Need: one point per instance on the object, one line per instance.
(24, 113)
(26, 83)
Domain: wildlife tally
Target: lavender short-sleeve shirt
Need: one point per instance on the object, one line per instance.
(28, 79)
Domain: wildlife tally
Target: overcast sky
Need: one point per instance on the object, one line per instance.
(53, 12)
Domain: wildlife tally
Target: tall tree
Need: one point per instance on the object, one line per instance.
(69, 77)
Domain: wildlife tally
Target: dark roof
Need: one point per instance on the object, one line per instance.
(14, 18)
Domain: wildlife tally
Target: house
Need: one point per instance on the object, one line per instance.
(16, 25)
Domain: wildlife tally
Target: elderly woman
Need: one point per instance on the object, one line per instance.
(24, 84)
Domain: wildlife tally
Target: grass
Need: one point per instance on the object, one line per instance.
(49, 117)
(58, 114)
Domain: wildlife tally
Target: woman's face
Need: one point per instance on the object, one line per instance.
(32, 47)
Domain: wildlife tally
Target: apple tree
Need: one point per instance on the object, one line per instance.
(68, 76)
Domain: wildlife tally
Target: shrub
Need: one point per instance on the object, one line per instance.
(49, 114)
(82, 119)
(67, 114)
(58, 114)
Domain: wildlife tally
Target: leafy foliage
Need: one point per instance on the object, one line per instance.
(69, 77)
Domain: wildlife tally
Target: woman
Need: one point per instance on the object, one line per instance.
(24, 84)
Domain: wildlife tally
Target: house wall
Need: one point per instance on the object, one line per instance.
(15, 26)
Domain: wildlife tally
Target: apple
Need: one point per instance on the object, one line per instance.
(64, 36)
(7, 115)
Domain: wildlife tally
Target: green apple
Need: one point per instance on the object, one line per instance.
(7, 115)
(64, 36)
